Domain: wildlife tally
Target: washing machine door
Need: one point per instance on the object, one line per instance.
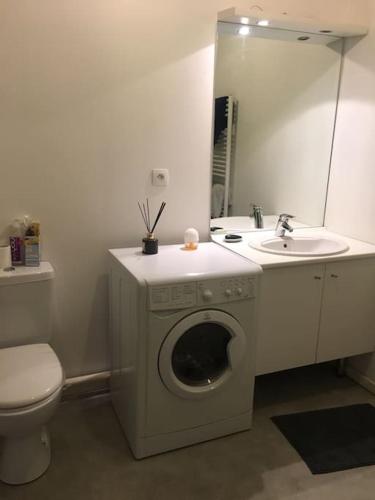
(201, 353)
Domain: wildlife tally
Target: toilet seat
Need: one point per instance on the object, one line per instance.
(29, 374)
(34, 407)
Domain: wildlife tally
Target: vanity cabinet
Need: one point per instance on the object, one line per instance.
(347, 324)
(288, 321)
(315, 313)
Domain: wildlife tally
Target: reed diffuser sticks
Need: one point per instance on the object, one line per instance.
(150, 243)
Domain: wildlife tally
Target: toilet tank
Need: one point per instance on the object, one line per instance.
(26, 305)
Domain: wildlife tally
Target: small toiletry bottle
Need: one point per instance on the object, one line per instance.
(32, 245)
(191, 239)
(16, 241)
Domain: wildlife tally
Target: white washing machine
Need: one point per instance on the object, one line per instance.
(182, 340)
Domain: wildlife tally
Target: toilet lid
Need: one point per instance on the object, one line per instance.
(28, 375)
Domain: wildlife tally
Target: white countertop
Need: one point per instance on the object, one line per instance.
(357, 249)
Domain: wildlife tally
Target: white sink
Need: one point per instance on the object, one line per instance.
(301, 246)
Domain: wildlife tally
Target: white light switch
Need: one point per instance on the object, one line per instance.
(160, 177)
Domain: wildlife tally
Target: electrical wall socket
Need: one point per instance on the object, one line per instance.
(160, 177)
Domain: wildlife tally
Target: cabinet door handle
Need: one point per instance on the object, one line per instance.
(317, 277)
(334, 276)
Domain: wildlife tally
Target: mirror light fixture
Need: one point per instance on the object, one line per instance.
(285, 20)
(244, 30)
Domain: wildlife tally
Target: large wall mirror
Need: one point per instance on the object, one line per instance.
(275, 107)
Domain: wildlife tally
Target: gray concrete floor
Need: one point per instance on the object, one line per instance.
(91, 460)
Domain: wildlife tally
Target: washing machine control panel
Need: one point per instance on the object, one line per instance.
(225, 290)
(185, 295)
(177, 296)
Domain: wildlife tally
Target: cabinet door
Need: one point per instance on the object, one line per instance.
(348, 310)
(288, 321)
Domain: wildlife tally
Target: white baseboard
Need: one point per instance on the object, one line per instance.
(361, 379)
(86, 385)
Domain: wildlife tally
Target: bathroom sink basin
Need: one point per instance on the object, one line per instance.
(301, 246)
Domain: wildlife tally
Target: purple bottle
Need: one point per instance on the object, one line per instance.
(16, 242)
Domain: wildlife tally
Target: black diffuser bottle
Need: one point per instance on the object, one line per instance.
(150, 243)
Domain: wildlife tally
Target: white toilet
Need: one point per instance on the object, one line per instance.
(31, 376)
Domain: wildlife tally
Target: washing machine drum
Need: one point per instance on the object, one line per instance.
(201, 353)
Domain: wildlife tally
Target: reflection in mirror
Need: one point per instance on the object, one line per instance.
(275, 106)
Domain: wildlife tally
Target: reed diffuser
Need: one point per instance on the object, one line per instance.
(150, 243)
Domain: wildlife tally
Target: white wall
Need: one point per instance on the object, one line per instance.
(351, 198)
(286, 93)
(93, 94)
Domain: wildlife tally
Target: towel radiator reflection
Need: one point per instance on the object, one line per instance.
(223, 153)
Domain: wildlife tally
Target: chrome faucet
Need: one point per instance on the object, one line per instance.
(258, 216)
(283, 225)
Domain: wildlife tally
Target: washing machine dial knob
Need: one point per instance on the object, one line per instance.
(239, 291)
(207, 294)
(228, 292)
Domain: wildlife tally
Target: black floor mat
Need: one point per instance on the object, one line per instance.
(334, 439)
